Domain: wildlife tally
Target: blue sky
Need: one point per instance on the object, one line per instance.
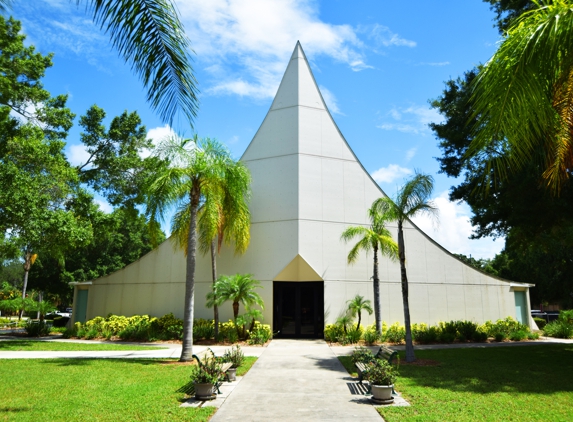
(377, 63)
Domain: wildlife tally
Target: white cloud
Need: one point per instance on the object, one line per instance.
(413, 119)
(390, 173)
(77, 154)
(104, 205)
(454, 229)
(384, 36)
(63, 28)
(410, 153)
(330, 101)
(434, 63)
(157, 134)
(246, 43)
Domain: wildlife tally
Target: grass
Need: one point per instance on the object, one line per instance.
(528, 383)
(50, 346)
(97, 390)
(246, 365)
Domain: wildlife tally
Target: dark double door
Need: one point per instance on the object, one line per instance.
(298, 309)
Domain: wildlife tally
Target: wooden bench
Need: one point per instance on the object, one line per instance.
(383, 353)
(203, 356)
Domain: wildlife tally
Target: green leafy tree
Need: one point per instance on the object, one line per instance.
(36, 182)
(374, 238)
(198, 168)
(411, 200)
(356, 305)
(508, 10)
(115, 168)
(119, 238)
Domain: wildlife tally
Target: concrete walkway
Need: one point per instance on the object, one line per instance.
(296, 380)
(162, 350)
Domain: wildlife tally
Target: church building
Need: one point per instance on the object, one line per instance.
(307, 188)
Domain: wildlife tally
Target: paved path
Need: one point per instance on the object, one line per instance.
(296, 380)
(163, 351)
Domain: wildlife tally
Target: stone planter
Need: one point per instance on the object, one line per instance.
(382, 394)
(232, 374)
(204, 391)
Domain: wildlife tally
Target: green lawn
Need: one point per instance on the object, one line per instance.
(96, 390)
(49, 346)
(528, 383)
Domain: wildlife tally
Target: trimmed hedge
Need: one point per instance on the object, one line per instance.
(145, 328)
(443, 332)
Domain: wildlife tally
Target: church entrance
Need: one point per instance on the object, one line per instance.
(298, 309)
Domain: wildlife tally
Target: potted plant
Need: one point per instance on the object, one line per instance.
(236, 357)
(381, 376)
(205, 377)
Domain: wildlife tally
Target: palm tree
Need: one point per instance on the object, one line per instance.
(376, 237)
(149, 35)
(198, 170)
(357, 305)
(225, 217)
(411, 200)
(523, 97)
(238, 288)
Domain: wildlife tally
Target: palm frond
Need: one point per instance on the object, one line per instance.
(149, 35)
(517, 93)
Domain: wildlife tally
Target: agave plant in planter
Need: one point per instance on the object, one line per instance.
(204, 379)
(236, 357)
(381, 375)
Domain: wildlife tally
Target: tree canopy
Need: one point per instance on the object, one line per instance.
(518, 206)
(47, 217)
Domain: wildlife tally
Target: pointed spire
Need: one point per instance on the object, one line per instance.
(298, 87)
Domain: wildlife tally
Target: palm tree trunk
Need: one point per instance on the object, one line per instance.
(214, 272)
(376, 283)
(27, 266)
(410, 356)
(187, 350)
(235, 315)
(359, 319)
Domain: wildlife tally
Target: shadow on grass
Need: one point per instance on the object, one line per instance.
(7, 409)
(11, 344)
(89, 361)
(542, 369)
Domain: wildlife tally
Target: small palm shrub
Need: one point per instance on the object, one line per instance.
(479, 336)
(332, 332)
(503, 328)
(370, 336)
(426, 335)
(380, 372)
(518, 335)
(260, 334)
(36, 328)
(170, 328)
(362, 355)
(202, 329)
(562, 327)
(466, 330)
(234, 355)
(532, 336)
(395, 333)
